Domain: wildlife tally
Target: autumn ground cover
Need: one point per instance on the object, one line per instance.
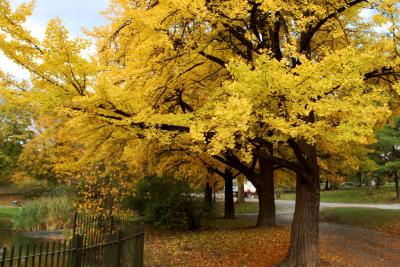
(223, 242)
(236, 242)
(385, 194)
(378, 219)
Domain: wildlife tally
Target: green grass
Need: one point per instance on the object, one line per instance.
(6, 215)
(378, 219)
(354, 195)
(8, 212)
(51, 212)
(246, 207)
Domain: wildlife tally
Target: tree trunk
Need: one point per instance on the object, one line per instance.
(304, 243)
(369, 189)
(240, 198)
(208, 196)
(327, 184)
(229, 210)
(265, 192)
(396, 180)
(215, 192)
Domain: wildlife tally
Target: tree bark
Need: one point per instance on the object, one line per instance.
(265, 192)
(396, 180)
(208, 195)
(215, 192)
(240, 197)
(369, 189)
(229, 207)
(304, 243)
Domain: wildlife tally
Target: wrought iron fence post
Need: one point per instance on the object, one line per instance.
(138, 246)
(3, 257)
(74, 223)
(77, 245)
(119, 247)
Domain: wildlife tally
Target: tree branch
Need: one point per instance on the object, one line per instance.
(305, 40)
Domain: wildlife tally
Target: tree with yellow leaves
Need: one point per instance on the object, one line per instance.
(298, 76)
(273, 82)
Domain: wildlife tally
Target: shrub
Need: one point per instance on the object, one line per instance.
(166, 202)
(45, 213)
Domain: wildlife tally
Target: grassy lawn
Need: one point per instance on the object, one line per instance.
(243, 208)
(8, 212)
(377, 219)
(354, 195)
(222, 243)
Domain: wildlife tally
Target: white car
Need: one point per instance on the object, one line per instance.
(249, 187)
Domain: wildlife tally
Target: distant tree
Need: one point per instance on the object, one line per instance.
(387, 151)
(14, 134)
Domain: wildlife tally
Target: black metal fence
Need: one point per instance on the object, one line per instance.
(96, 241)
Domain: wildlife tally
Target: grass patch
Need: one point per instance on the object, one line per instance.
(354, 195)
(246, 207)
(242, 208)
(377, 219)
(226, 243)
(46, 213)
(8, 212)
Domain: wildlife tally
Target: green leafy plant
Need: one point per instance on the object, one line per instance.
(166, 202)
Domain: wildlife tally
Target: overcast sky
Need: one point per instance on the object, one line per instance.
(75, 14)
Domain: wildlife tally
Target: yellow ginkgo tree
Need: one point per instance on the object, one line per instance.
(249, 82)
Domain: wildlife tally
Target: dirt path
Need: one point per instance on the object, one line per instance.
(350, 246)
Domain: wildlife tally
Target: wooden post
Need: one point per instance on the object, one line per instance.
(77, 244)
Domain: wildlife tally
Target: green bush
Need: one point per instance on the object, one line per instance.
(166, 202)
(45, 213)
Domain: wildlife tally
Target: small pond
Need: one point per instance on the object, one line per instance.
(9, 238)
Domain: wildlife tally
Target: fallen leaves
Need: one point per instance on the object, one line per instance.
(240, 246)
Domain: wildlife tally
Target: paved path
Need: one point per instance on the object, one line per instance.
(290, 204)
(348, 245)
(342, 205)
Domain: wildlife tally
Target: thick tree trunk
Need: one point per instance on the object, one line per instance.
(240, 197)
(229, 210)
(265, 192)
(304, 244)
(396, 180)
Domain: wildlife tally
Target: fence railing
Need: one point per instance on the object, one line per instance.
(96, 241)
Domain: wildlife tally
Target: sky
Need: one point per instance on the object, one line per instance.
(74, 13)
